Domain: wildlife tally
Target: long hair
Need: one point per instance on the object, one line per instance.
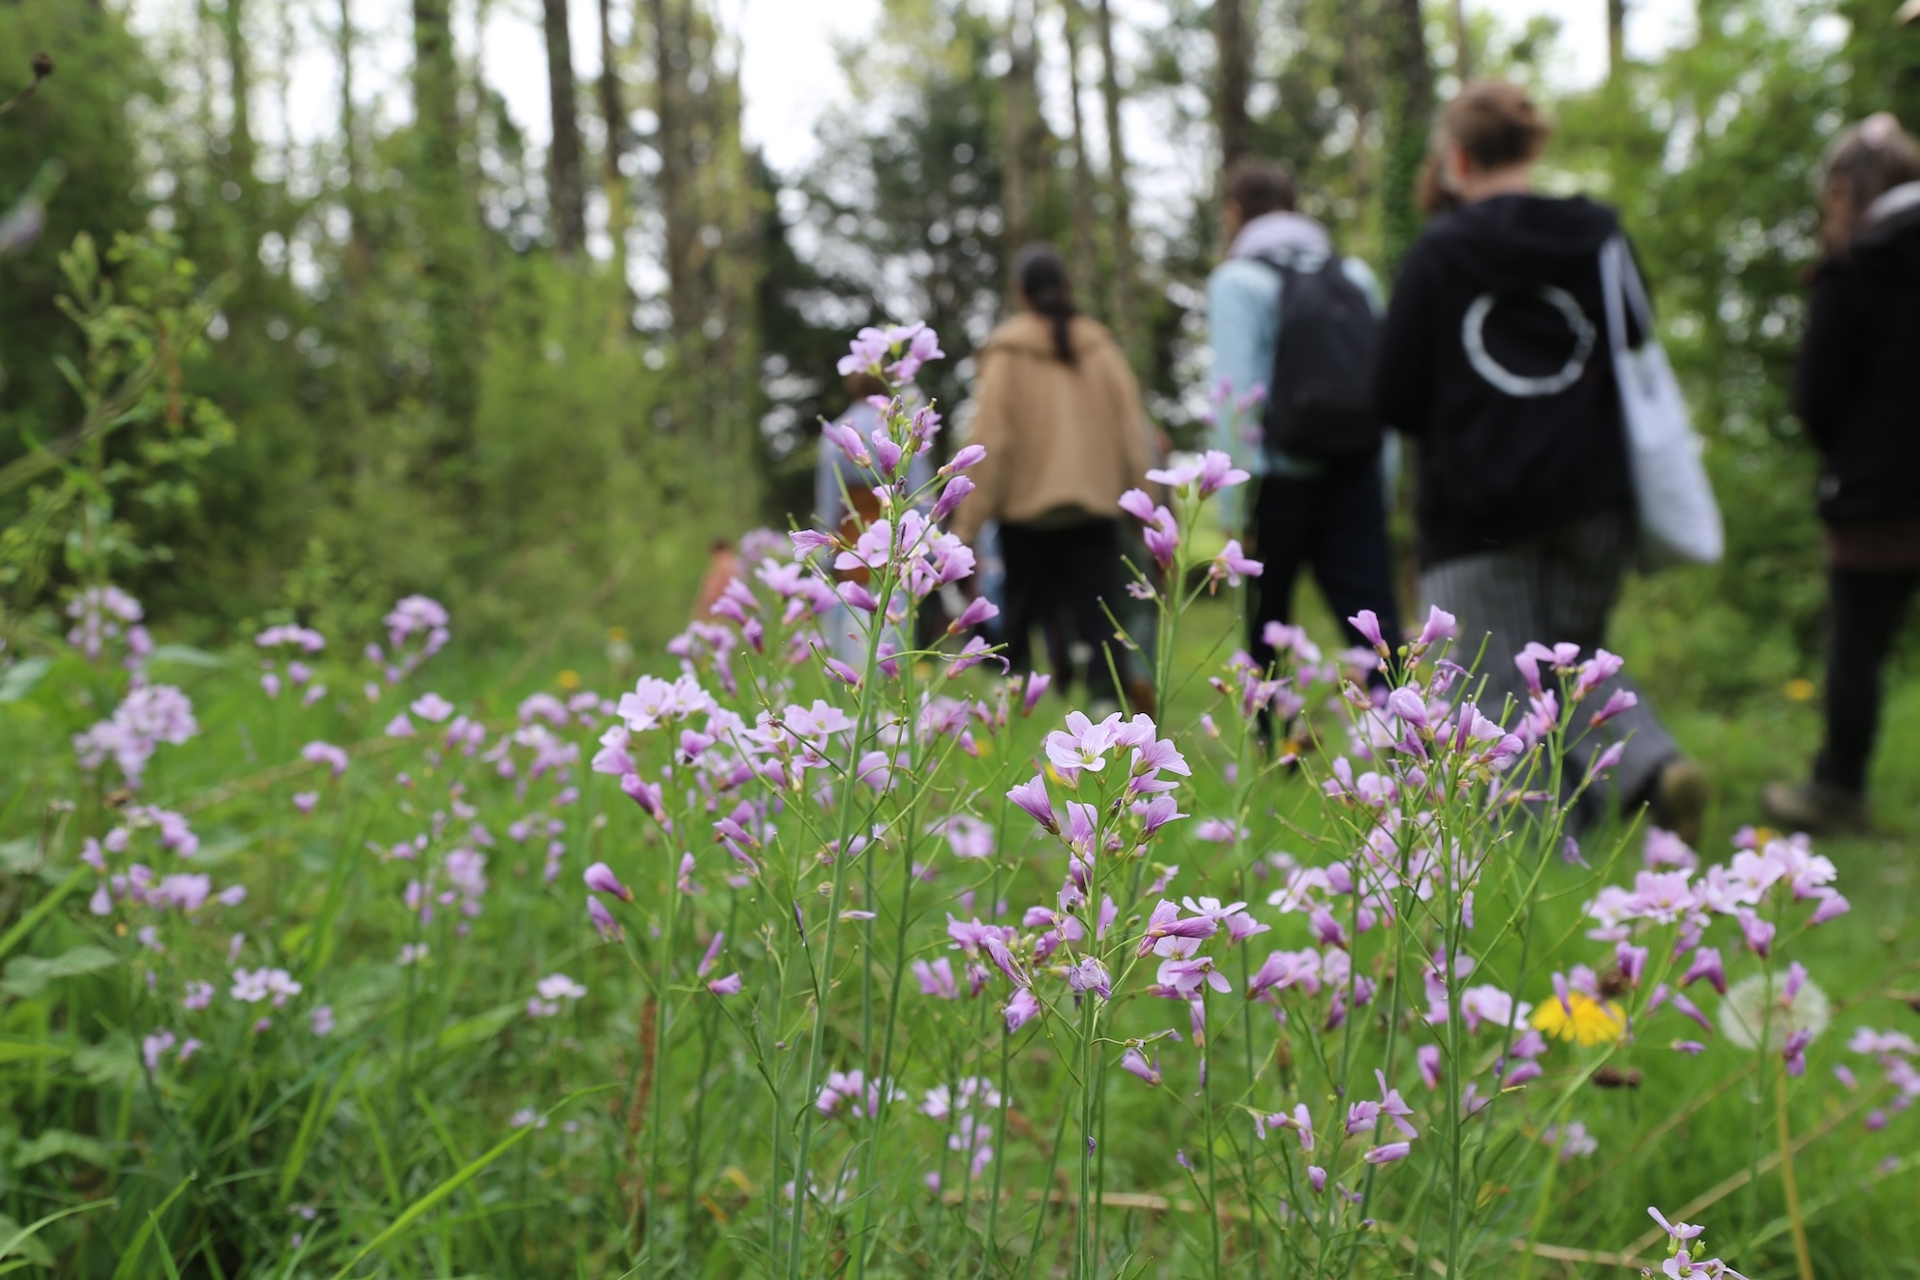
(1042, 278)
(1865, 162)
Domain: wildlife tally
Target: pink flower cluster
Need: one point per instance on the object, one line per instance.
(150, 714)
(105, 613)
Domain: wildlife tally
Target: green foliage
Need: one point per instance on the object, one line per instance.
(79, 120)
(405, 1130)
(131, 464)
(1711, 154)
(598, 505)
(909, 184)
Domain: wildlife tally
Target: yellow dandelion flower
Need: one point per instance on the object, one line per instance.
(617, 635)
(1592, 1021)
(569, 679)
(1800, 690)
(1054, 774)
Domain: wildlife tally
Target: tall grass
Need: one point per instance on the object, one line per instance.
(850, 1010)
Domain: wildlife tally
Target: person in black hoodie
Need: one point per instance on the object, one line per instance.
(1493, 360)
(1855, 394)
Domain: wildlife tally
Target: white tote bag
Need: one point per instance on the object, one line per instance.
(1679, 520)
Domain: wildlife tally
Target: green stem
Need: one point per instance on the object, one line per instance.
(1540, 1208)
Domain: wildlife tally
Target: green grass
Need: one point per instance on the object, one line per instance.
(396, 1129)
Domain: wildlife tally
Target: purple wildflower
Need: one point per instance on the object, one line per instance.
(1036, 686)
(1032, 797)
(951, 497)
(969, 456)
(1440, 625)
(936, 978)
(1706, 964)
(600, 878)
(1133, 1060)
(1233, 564)
(1795, 1051)
(1367, 623)
(1758, 932)
(976, 612)
(1091, 975)
(1677, 1230)
(325, 753)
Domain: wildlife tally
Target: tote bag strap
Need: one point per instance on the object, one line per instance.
(1613, 290)
(1621, 283)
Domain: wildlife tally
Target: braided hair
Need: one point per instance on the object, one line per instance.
(1042, 277)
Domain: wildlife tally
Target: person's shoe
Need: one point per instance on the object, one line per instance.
(1679, 800)
(1813, 807)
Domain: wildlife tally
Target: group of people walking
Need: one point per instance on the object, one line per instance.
(1494, 362)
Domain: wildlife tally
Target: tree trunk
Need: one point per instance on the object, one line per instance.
(1085, 262)
(1230, 81)
(1358, 53)
(1409, 115)
(566, 185)
(241, 152)
(1123, 309)
(350, 145)
(1016, 193)
(449, 220)
(1463, 41)
(614, 112)
(358, 256)
(670, 66)
(1616, 40)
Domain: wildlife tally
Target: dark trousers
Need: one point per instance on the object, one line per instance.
(1337, 524)
(1064, 578)
(1866, 608)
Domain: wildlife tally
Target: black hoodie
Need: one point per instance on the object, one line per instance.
(1858, 390)
(1520, 430)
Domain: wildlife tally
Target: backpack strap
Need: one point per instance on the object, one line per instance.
(1297, 263)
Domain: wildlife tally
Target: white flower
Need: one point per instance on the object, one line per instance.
(1743, 1013)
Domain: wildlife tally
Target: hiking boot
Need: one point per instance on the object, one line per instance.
(1817, 808)
(1679, 800)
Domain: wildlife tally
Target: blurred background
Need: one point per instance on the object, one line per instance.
(524, 303)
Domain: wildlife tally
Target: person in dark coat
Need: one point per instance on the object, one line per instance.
(1494, 362)
(1856, 394)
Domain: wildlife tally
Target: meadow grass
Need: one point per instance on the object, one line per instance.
(394, 1144)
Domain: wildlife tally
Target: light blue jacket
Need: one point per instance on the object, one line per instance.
(1243, 332)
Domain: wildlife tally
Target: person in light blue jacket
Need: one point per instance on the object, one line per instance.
(1305, 511)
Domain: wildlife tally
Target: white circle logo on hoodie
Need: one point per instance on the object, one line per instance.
(1522, 386)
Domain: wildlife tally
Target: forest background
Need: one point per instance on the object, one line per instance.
(418, 359)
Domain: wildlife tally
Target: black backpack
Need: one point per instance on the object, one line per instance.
(1320, 398)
